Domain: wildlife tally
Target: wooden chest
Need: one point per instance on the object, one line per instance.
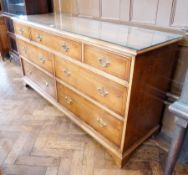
(112, 92)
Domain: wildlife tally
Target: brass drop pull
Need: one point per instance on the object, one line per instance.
(46, 83)
(30, 72)
(101, 122)
(39, 38)
(104, 62)
(21, 31)
(25, 50)
(68, 100)
(65, 47)
(102, 91)
(42, 60)
(66, 72)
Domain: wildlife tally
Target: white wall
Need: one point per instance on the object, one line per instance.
(171, 13)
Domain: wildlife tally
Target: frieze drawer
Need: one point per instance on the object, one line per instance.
(108, 62)
(22, 30)
(62, 45)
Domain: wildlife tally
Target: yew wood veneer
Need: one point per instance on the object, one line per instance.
(115, 93)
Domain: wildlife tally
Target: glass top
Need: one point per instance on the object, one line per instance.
(135, 38)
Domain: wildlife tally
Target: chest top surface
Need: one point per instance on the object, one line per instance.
(134, 38)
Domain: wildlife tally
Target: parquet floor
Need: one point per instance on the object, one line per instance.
(37, 139)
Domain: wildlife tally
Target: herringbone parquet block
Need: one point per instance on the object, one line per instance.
(37, 139)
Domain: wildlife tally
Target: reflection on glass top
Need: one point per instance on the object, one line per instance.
(127, 36)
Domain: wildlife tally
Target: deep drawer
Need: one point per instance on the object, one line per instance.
(43, 81)
(100, 120)
(108, 93)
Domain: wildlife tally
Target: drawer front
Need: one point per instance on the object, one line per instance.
(108, 62)
(46, 83)
(36, 55)
(65, 46)
(103, 90)
(22, 30)
(22, 48)
(2, 21)
(97, 118)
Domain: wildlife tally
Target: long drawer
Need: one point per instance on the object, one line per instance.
(46, 83)
(108, 62)
(36, 55)
(106, 92)
(100, 120)
(65, 46)
(22, 30)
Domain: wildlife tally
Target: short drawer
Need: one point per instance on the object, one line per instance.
(2, 22)
(43, 81)
(97, 118)
(103, 90)
(65, 46)
(36, 55)
(22, 30)
(22, 48)
(108, 62)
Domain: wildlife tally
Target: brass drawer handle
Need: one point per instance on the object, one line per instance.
(65, 47)
(25, 50)
(46, 83)
(104, 62)
(42, 60)
(66, 72)
(102, 91)
(39, 38)
(68, 100)
(101, 122)
(30, 72)
(21, 31)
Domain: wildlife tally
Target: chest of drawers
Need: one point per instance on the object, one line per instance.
(114, 93)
